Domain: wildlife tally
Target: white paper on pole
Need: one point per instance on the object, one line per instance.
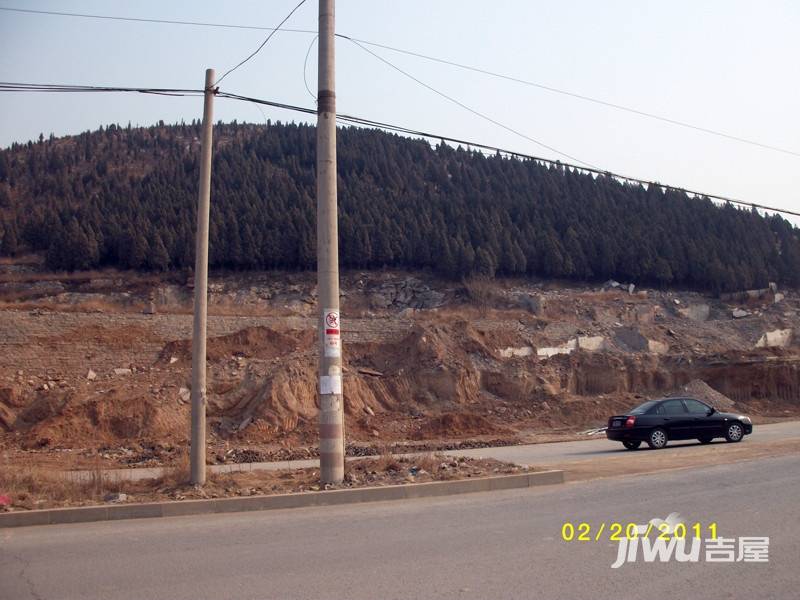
(330, 384)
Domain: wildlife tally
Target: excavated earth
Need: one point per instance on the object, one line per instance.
(97, 366)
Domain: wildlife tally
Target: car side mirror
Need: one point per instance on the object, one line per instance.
(711, 411)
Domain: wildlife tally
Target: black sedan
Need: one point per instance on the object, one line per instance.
(658, 421)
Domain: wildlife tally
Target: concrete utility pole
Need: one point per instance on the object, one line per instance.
(331, 401)
(198, 449)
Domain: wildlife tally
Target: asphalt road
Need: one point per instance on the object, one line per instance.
(489, 545)
(561, 452)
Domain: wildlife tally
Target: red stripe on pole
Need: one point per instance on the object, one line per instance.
(330, 431)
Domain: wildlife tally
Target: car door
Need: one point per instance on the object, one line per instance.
(676, 419)
(701, 423)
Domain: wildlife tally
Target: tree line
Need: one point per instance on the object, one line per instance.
(125, 197)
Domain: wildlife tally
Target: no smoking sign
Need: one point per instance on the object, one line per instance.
(332, 333)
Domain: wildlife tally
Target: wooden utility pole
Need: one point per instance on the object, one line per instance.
(331, 401)
(198, 448)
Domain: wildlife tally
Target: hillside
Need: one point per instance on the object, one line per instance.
(124, 197)
(100, 362)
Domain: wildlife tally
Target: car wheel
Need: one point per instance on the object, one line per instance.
(630, 445)
(705, 440)
(657, 438)
(734, 432)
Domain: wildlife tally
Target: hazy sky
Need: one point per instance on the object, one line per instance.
(725, 65)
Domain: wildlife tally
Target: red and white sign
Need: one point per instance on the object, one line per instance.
(333, 335)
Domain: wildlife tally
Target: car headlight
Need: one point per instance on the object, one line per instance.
(744, 419)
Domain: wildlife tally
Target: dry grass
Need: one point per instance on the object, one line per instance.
(27, 259)
(32, 486)
(480, 292)
(177, 474)
(386, 462)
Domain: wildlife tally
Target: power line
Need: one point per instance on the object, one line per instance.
(555, 90)
(144, 20)
(496, 149)
(305, 65)
(364, 122)
(6, 86)
(264, 43)
(428, 57)
(468, 108)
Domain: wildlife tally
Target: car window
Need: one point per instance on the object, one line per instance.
(695, 406)
(671, 407)
(642, 408)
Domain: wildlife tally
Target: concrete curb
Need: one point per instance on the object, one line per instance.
(114, 512)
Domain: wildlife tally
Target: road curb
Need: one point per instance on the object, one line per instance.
(114, 512)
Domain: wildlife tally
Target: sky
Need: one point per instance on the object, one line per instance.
(725, 65)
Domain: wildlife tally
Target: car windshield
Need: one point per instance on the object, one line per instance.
(642, 408)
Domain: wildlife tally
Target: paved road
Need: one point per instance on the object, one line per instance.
(489, 545)
(532, 454)
(561, 452)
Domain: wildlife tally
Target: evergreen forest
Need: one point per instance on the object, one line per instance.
(125, 197)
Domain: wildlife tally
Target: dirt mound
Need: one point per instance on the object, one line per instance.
(271, 401)
(253, 342)
(454, 425)
(702, 391)
(67, 420)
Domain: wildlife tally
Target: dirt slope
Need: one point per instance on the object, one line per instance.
(103, 362)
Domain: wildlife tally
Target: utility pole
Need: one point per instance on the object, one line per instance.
(198, 448)
(331, 401)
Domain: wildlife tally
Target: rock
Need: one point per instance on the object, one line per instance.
(375, 433)
(115, 497)
(779, 297)
(379, 300)
(545, 406)
(779, 338)
(630, 339)
(631, 287)
(122, 371)
(371, 372)
(91, 375)
(696, 312)
(739, 313)
(676, 301)
(512, 352)
(565, 348)
(173, 360)
(184, 394)
(7, 418)
(656, 347)
(369, 411)
(590, 343)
